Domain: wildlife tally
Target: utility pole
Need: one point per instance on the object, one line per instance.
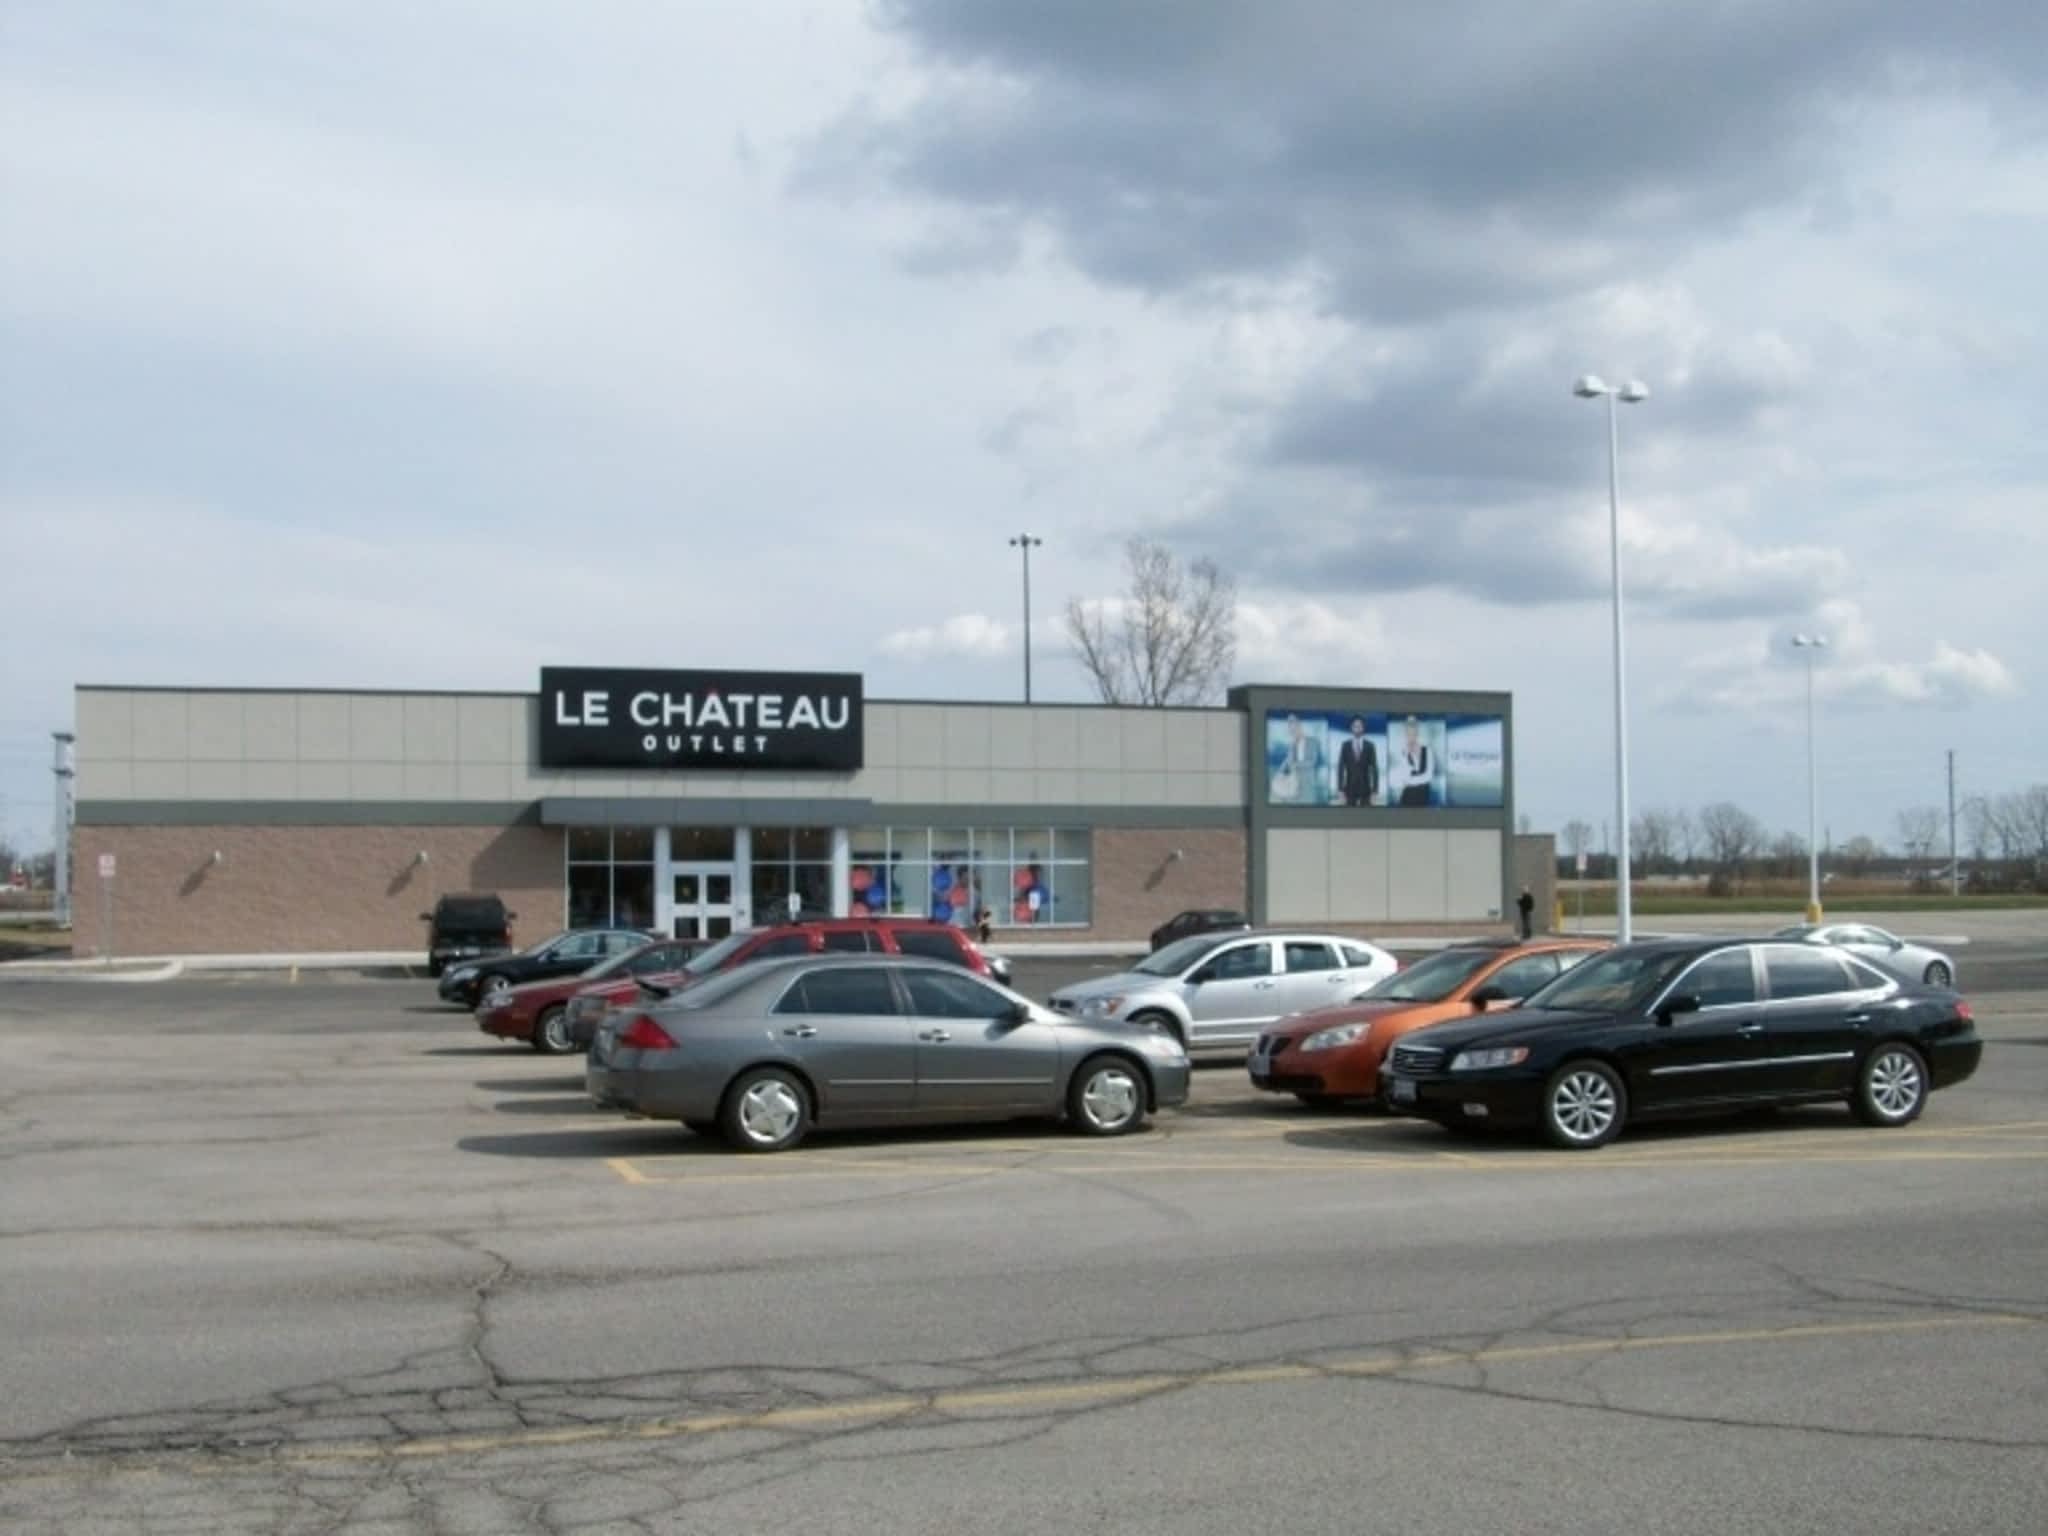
(1955, 870)
(1027, 543)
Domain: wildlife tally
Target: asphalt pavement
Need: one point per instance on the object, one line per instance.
(312, 1257)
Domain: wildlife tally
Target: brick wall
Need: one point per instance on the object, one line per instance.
(304, 889)
(1139, 884)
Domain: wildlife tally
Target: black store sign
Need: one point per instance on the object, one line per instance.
(604, 717)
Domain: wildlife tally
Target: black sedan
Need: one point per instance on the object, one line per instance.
(566, 954)
(1685, 1027)
(1184, 925)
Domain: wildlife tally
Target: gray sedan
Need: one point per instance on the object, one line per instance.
(760, 1054)
(1907, 961)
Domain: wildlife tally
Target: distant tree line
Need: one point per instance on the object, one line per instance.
(2002, 846)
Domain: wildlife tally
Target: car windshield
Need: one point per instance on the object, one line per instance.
(705, 993)
(705, 961)
(1613, 982)
(1178, 956)
(1431, 980)
(616, 965)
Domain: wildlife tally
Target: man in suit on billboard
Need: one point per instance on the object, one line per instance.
(1358, 766)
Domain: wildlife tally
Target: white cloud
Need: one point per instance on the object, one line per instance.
(1283, 638)
(964, 634)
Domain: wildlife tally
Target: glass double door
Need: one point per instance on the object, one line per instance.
(703, 906)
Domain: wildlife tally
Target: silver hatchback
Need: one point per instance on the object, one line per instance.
(761, 1054)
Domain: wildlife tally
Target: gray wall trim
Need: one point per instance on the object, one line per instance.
(582, 811)
(307, 813)
(1255, 699)
(534, 694)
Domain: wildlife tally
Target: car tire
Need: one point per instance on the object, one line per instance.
(765, 1110)
(1165, 1023)
(1585, 1105)
(551, 1031)
(1107, 1097)
(1891, 1086)
(1322, 1103)
(1938, 975)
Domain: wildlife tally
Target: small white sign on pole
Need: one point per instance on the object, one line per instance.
(1582, 862)
(106, 866)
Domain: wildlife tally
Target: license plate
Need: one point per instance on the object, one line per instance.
(1401, 1090)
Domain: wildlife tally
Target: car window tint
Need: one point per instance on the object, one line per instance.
(1357, 954)
(1722, 981)
(953, 995)
(1865, 974)
(1518, 978)
(622, 943)
(846, 940)
(1306, 955)
(1241, 962)
(1566, 959)
(581, 946)
(655, 958)
(1805, 973)
(929, 946)
(852, 989)
(782, 944)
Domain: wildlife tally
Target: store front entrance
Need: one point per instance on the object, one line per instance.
(703, 906)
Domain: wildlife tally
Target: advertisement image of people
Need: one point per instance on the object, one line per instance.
(1332, 758)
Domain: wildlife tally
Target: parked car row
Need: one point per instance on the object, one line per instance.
(765, 1034)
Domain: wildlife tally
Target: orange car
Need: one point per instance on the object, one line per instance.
(1335, 1053)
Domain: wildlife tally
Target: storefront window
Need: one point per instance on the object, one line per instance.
(1022, 876)
(791, 860)
(610, 877)
(701, 845)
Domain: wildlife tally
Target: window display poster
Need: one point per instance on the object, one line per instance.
(1329, 758)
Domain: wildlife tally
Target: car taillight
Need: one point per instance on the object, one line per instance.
(643, 1034)
(1963, 1010)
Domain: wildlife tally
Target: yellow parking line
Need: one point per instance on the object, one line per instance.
(1074, 1394)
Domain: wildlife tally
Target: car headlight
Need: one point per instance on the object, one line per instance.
(462, 973)
(1103, 1004)
(1483, 1061)
(1330, 1039)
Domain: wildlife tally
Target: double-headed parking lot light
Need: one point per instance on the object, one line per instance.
(1592, 387)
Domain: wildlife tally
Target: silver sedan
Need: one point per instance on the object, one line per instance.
(1907, 961)
(760, 1054)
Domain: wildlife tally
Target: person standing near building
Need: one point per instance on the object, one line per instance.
(1526, 905)
(1358, 766)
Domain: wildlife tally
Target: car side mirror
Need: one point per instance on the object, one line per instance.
(1685, 1002)
(1205, 974)
(1486, 997)
(1018, 1013)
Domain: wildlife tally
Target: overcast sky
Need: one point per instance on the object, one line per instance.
(394, 345)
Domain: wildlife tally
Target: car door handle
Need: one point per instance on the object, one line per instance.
(1856, 1018)
(937, 1036)
(1337, 978)
(1751, 1028)
(1263, 986)
(803, 1031)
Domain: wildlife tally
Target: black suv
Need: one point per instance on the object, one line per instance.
(464, 926)
(1184, 925)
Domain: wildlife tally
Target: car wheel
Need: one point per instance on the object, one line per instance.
(1319, 1101)
(1938, 975)
(551, 1031)
(701, 1127)
(1107, 1097)
(767, 1110)
(1892, 1087)
(488, 987)
(1584, 1105)
(1165, 1023)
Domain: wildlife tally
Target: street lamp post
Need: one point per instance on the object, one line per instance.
(1027, 543)
(1811, 644)
(1592, 387)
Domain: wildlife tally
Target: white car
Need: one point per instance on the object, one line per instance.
(1907, 961)
(1217, 991)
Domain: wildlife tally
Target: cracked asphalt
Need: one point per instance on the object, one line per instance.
(319, 1257)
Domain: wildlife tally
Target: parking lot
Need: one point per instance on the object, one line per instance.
(313, 1256)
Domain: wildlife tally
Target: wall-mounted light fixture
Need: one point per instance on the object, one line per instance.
(218, 857)
(1175, 857)
(420, 857)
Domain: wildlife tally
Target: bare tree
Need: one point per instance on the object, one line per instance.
(1858, 854)
(1578, 837)
(1171, 638)
(1919, 827)
(1733, 838)
(1655, 836)
(1685, 837)
(1788, 853)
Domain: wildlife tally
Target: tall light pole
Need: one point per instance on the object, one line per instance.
(1027, 543)
(1811, 645)
(1592, 387)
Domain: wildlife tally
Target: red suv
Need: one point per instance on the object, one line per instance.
(922, 937)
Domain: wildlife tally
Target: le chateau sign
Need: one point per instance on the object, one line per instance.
(603, 717)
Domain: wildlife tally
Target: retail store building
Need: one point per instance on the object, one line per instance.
(214, 820)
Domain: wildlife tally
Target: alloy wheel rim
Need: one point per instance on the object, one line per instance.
(769, 1111)
(555, 1030)
(1584, 1106)
(1895, 1083)
(1110, 1098)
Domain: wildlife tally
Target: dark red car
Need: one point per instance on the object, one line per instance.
(537, 1012)
(922, 937)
